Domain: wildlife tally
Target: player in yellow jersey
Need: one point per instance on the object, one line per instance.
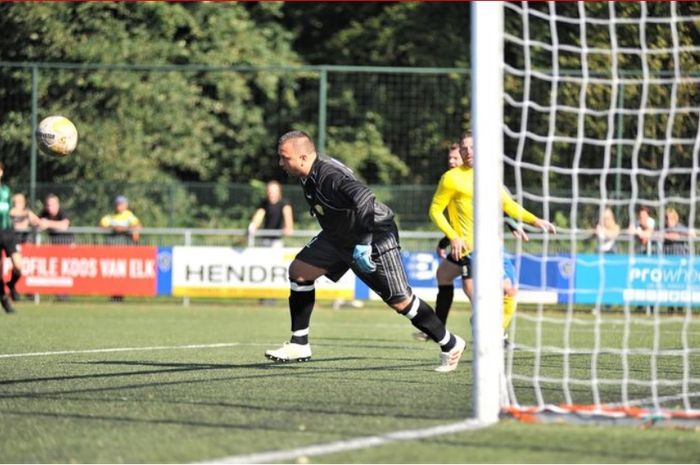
(455, 193)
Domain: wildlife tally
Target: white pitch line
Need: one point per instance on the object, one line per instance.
(351, 444)
(121, 349)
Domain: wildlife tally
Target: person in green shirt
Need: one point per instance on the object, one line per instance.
(8, 243)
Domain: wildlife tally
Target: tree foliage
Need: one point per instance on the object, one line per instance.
(160, 126)
(143, 125)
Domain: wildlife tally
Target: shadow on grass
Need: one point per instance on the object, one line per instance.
(166, 368)
(156, 421)
(268, 370)
(361, 342)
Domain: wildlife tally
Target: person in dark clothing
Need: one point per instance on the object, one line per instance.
(675, 235)
(8, 243)
(676, 240)
(357, 232)
(273, 213)
(54, 220)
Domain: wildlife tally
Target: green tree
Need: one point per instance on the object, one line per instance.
(415, 117)
(145, 126)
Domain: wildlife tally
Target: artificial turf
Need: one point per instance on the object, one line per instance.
(169, 393)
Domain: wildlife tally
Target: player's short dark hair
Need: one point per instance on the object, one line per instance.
(2, 165)
(465, 135)
(295, 135)
(454, 146)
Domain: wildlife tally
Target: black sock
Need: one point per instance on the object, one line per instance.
(424, 318)
(301, 302)
(443, 302)
(16, 274)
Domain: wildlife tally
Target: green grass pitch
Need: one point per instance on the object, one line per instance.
(155, 400)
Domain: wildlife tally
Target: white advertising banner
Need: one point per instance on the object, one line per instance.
(259, 272)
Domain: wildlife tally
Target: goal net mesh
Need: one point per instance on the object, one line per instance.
(601, 111)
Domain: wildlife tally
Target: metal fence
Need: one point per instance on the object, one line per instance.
(565, 242)
(407, 114)
(211, 205)
(383, 119)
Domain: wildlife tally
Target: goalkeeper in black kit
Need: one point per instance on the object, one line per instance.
(358, 233)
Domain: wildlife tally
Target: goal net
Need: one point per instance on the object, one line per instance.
(601, 118)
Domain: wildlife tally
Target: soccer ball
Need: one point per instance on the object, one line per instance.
(57, 135)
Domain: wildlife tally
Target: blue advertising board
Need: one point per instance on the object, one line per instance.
(637, 279)
(164, 271)
(540, 279)
(541, 275)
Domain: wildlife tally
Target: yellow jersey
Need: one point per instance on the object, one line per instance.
(124, 219)
(456, 193)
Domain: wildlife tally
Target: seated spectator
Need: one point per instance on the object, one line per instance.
(23, 219)
(124, 225)
(54, 220)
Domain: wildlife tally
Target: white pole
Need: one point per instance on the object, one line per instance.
(487, 127)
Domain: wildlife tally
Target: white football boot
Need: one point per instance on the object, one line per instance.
(450, 360)
(290, 352)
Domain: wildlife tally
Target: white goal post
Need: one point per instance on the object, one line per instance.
(487, 108)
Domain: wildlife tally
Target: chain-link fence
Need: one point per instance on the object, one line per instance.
(185, 142)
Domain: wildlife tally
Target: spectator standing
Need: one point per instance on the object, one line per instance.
(675, 235)
(607, 231)
(22, 218)
(643, 230)
(123, 224)
(675, 239)
(273, 213)
(54, 220)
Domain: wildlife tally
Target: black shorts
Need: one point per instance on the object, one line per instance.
(464, 264)
(8, 242)
(388, 280)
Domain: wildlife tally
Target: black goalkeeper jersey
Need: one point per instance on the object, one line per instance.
(346, 209)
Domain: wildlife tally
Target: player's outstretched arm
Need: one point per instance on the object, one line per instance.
(518, 212)
(545, 225)
(515, 228)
